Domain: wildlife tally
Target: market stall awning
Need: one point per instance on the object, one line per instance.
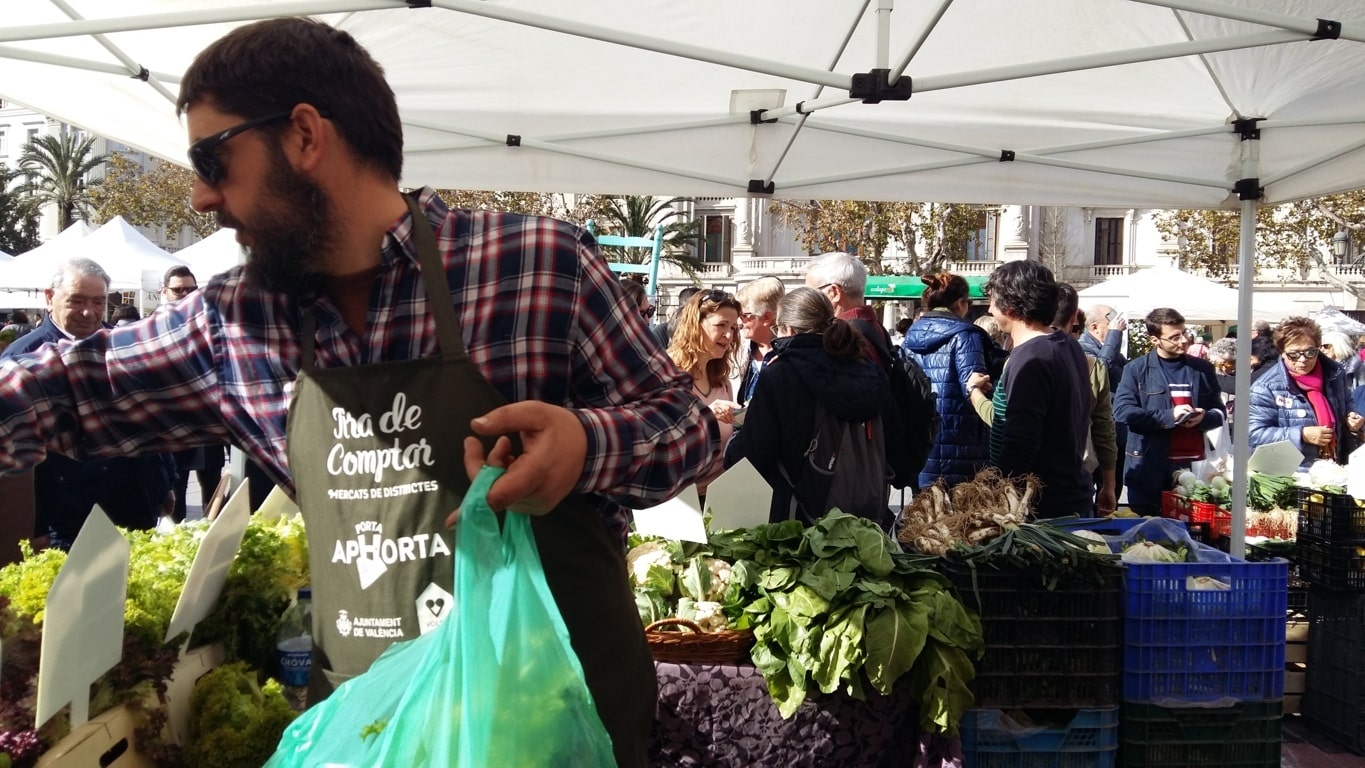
(910, 287)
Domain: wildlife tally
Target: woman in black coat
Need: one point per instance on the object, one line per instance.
(816, 357)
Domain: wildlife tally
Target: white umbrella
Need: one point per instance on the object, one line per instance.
(1333, 319)
(216, 253)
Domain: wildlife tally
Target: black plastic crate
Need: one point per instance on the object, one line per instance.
(1245, 735)
(1334, 564)
(1331, 516)
(1334, 696)
(1059, 648)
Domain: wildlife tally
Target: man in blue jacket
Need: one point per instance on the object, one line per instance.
(1143, 402)
(132, 491)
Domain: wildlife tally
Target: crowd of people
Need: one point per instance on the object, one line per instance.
(1036, 386)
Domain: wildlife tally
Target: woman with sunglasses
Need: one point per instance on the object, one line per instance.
(706, 345)
(1304, 398)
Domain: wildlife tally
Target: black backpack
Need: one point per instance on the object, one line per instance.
(844, 467)
(916, 410)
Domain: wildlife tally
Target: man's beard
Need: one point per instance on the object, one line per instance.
(291, 234)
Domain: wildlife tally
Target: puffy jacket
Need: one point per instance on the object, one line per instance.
(780, 420)
(1143, 403)
(1278, 410)
(950, 350)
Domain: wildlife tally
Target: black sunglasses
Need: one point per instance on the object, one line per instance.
(204, 153)
(715, 295)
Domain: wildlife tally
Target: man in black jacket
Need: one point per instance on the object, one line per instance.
(132, 491)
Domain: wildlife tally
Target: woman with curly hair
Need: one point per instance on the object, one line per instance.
(1304, 398)
(706, 345)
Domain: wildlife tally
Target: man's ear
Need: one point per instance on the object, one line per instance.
(311, 138)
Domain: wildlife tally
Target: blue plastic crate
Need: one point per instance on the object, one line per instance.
(1089, 740)
(1204, 631)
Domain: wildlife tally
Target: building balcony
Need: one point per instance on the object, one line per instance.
(708, 272)
(966, 268)
(1102, 272)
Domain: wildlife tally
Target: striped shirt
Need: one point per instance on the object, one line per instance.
(542, 316)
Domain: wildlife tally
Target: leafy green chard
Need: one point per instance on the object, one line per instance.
(838, 606)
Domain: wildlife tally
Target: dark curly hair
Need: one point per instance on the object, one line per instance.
(1024, 290)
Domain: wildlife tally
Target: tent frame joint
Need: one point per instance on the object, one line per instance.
(1006, 155)
(1328, 30)
(756, 117)
(875, 86)
(761, 187)
(419, 3)
(513, 140)
(1247, 128)
(1249, 189)
(142, 74)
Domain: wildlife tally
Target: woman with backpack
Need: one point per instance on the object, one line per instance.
(950, 349)
(819, 401)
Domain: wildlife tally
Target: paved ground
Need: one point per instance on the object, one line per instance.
(1304, 748)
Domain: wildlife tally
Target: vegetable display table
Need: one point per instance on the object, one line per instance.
(722, 715)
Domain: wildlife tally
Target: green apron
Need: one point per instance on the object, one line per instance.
(377, 457)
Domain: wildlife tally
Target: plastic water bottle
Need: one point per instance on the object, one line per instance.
(294, 644)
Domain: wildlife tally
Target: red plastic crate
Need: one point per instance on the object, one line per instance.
(1175, 506)
(1206, 512)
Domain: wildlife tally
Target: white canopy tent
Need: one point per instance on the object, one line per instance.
(132, 261)
(35, 268)
(1132, 103)
(1199, 300)
(216, 253)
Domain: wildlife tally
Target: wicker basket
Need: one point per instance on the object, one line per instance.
(697, 646)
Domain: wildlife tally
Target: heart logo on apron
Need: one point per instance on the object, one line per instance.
(436, 606)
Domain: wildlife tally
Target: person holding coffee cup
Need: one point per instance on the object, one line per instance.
(1305, 398)
(1168, 400)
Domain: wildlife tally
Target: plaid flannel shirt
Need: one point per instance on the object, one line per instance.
(542, 317)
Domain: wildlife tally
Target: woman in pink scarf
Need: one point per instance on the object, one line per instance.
(1305, 399)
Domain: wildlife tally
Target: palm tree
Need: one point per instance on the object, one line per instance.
(636, 216)
(55, 168)
(18, 216)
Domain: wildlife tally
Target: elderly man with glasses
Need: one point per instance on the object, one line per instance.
(1168, 400)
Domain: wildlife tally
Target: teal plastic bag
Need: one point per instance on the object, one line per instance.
(496, 685)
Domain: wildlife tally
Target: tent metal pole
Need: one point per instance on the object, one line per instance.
(1109, 59)
(192, 18)
(934, 19)
(808, 106)
(719, 122)
(964, 162)
(70, 62)
(1265, 18)
(1246, 281)
(1126, 141)
(544, 146)
(833, 62)
(884, 8)
(134, 69)
(647, 43)
(1314, 163)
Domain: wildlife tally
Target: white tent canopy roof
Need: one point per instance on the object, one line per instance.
(131, 260)
(216, 253)
(1197, 299)
(1101, 102)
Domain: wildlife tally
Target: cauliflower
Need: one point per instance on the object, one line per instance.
(720, 578)
(709, 617)
(1101, 545)
(641, 558)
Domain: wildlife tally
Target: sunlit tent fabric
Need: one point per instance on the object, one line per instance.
(1197, 299)
(216, 253)
(35, 268)
(131, 260)
(1125, 103)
